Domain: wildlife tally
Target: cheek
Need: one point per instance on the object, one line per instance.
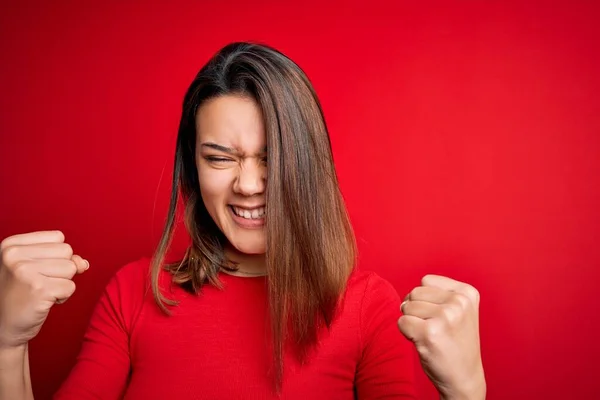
(215, 186)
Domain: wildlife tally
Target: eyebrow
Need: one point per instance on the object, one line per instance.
(218, 147)
(225, 149)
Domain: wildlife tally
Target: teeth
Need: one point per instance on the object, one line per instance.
(249, 214)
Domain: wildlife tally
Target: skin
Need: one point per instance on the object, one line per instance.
(441, 316)
(36, 271)
(232, 170)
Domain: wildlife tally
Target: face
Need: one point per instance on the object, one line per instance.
(232, 171)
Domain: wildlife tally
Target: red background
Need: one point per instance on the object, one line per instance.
(466, 134)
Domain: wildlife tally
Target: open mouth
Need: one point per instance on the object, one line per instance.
(248, 213)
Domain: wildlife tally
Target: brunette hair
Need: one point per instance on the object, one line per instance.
(310, 249)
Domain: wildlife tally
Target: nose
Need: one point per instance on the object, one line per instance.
(251, 179)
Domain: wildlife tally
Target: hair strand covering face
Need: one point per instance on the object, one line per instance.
(310, 249)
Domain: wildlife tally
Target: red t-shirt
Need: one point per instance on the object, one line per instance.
(214, 345)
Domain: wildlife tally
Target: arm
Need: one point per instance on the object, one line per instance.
(386, 368)
(15, 380)
(103, 364)
(102, 367)
(36, 271)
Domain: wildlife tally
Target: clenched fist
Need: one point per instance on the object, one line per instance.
(441, 317)
(35, 273)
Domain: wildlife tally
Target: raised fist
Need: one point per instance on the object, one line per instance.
(441, 317)
(36, 271)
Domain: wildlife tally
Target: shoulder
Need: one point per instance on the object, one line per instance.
(371, 286)
(134, 268)
(378, 305)
(130, 283)
(371, 299)
(133, 273)
(124, 295)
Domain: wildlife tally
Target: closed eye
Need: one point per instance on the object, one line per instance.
(217, 159)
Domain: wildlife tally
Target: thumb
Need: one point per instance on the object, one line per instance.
(81, 264)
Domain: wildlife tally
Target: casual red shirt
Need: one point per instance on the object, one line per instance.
(214, 345)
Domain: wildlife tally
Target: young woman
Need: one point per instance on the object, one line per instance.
(267, 302)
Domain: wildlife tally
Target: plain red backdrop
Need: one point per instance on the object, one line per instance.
(466, 135)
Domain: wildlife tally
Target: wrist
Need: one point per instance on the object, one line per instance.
(15, 380)
(474, 389)
(11, 356)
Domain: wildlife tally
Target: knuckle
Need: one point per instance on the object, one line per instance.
(470, 291)
(425, 280)
(460, 300)
(433, 331)
(474, 293)
(10, 255)
(60, 236)
(405, 307)
(71, 288)
(71, 267)
(37, 287)
(20, 271)
(420, 293)
(401, 321)
(451, 314)
(414, 294)
(67, 249)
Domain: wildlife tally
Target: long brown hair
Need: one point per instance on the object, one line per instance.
(310, 249)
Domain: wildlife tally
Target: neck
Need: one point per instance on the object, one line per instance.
(248, 264)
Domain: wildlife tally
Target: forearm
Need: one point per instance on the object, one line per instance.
(15, 380)
(474, 390)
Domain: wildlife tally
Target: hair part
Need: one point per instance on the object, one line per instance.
(311, 248)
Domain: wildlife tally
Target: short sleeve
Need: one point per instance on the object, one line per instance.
(386, 368)
(103, 365)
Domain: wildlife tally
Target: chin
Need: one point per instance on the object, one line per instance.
(249, 246)
(250, 249)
